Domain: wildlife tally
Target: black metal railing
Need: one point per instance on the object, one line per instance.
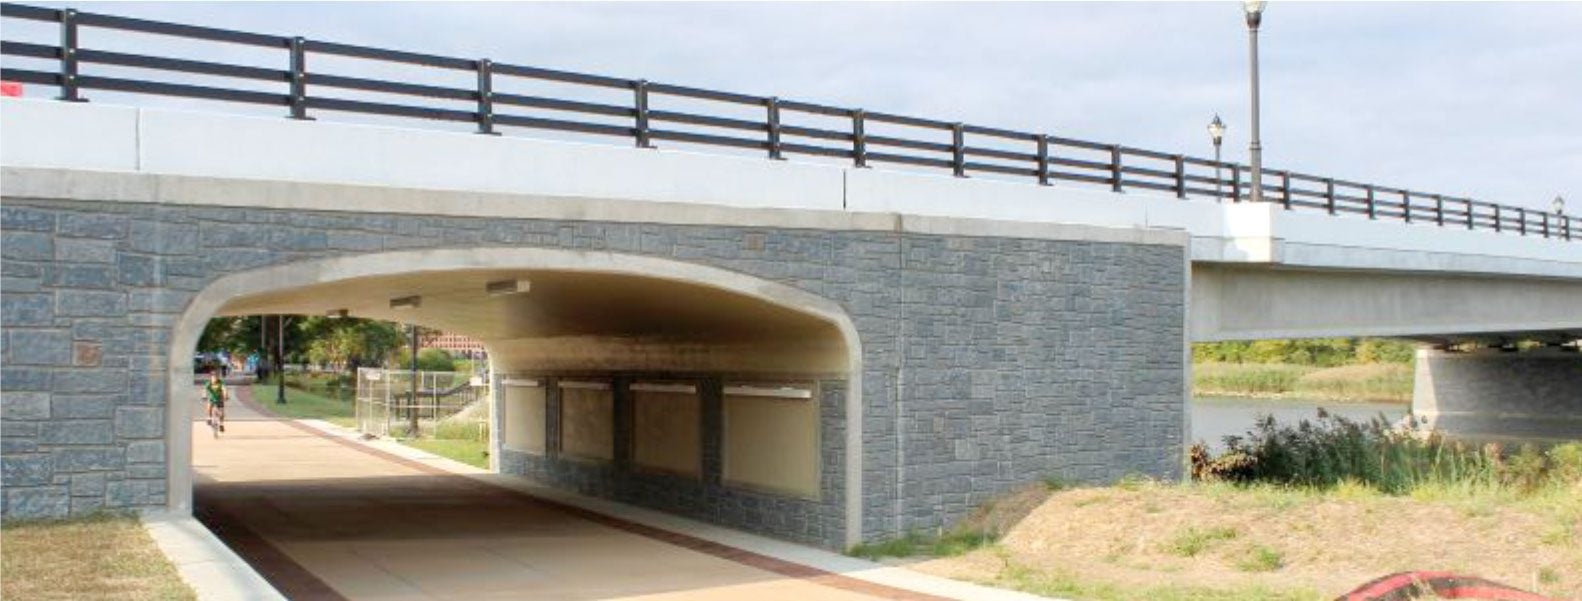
(960, 148)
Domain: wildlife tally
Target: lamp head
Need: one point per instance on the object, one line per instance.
(1254, 10)
(1559, 205)
(1216, 129)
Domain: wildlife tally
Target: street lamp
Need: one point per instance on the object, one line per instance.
(1216, 130)
(1559, 205)
(1254, 10)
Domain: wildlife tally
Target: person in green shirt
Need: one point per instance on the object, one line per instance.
(215, 393)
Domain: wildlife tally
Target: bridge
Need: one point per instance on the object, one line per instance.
(824, 324)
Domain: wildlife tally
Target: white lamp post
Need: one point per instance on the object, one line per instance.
(1254, 10)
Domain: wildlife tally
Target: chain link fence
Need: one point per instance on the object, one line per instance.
(451, 405)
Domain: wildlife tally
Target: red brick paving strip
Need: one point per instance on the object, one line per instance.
(296, 582)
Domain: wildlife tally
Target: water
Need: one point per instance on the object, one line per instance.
(1213, 418)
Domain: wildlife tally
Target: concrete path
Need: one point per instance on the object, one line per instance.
(322, 517)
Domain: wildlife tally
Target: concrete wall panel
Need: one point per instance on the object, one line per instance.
(668, 433)
(525, 416)
(772, 443)
(587, 421)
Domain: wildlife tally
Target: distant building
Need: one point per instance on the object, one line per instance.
(456, 344)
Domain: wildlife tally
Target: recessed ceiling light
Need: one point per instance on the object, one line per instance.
(406, 302)
(505, 287)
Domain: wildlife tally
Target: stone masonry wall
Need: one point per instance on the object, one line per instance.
(988, 362)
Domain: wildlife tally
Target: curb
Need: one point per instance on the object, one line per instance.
(213, 571)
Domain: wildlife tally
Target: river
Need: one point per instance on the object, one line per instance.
(1213, 418)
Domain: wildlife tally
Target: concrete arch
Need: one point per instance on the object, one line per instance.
(213, 298)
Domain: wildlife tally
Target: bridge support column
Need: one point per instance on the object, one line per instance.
(1533, 395)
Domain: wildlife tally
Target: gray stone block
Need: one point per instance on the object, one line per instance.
(76, 432)
(89, 380)
(162, 238)
(25, 470)
(39, 347)
(139, 422)
(93, 225)
(83, 250)
(27, 246)
(77, 406)
(90, 303)
(37, 503)
(79, 275)
(23, 378)
(86, 485)
(25, 405)
(72, 461)
(14, 218)
(26, 309)
(145, 451)
(138, 270)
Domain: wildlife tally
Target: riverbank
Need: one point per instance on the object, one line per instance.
(1142, 540)
(1373, 382)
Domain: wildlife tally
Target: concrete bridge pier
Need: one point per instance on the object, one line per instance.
(1493, 395)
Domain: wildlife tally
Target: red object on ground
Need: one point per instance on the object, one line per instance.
(1405, 586)
(11, 88)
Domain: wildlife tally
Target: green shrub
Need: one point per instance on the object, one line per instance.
(1332, 451)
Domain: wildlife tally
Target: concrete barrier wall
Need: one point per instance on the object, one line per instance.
(985, 362)
(1533, 395)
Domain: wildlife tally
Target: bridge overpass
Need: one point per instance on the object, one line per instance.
(823, 350)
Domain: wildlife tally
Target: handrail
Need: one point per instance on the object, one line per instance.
(962, 148)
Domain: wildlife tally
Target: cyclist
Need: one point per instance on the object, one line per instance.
(215, 393)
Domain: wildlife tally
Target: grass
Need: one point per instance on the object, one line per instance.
(470, 452)
(301, 404)
(1259, 558)
(1385, 382)
(1192, 541)
(915, 544)
(1069, 585)
(106, 556)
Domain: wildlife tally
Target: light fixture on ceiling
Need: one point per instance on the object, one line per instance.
(406, 302)
(337, 313)
(505, 287)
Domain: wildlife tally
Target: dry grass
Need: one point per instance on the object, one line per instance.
(99, 557)
(1221, 541)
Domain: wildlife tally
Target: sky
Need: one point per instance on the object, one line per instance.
(1467, 99)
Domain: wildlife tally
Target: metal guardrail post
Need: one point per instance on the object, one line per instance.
(640, 102)
(1329, 195)
(1115, 168)
(486, 97)
(1439, 209)
(1469, 214)
(299, 78)
(1521, 220)
(1406, 205)
(958, 149)
(1373, 207)
(1546, 224)
(1285, 189)
(1043, 159)
(859, 139)
(1235, 183)
(773, 105)
(68, 56)
(1566, 222)
(1180, 176)
(1496, 218)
